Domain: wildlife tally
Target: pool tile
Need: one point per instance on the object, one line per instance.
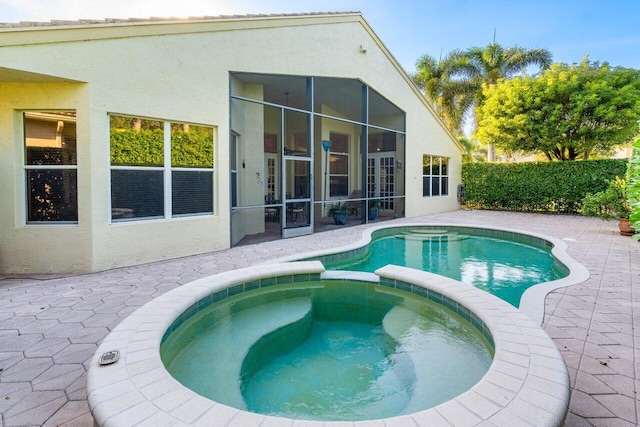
(235, 290)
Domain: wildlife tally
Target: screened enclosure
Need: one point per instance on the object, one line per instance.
(303, 148)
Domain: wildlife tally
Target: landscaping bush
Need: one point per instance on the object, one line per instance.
(557, 187)
(145, 147)
(633, 187)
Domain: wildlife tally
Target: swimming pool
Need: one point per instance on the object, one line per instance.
(527, 373)
(328, 350)
(503, 263)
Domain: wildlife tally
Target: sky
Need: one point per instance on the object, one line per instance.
(607, 31)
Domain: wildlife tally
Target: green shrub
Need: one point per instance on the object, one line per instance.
(633, 187)
(537, 187)
(137, 147)
(608, 204)
(145, 147)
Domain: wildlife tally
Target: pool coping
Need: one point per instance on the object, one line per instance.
(527, 381)
(532, 300)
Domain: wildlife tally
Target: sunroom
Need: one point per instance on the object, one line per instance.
(302, 145)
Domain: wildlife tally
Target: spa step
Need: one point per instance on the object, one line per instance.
(248, 327)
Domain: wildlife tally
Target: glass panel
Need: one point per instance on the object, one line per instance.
(435, 166)
(445, 165)
(381, 141)
(233, 153)
(339, 142)
(50, 138)
(426, 165)
(191, 146)
(338, 97)
(387, 182)
(339, 186)
(445, 186)
(52, 195)
(272, 181)
(298, 179)
(426, 186)
(383, 113)
(297, 214)
(136, 142)
(191, 192)
(372, 183)
(297, 134)
(290, 91)
(270, 143)
(233, 166)
(234, 188)
(136, 194)
(435, 186)
(339, 164)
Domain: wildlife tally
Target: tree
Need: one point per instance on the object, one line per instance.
(569, 111)
(485, 66)
(448, 96)
(455, 83)
(474, 153)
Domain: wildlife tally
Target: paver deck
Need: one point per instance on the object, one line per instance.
(50, 327)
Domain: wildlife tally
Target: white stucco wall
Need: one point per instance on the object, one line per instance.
(180, 72)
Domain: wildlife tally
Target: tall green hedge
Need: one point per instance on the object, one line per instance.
(633, 187)
(536, 187)
(145, 147)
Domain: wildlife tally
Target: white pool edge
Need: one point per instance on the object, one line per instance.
(527, 382)
(532, 300)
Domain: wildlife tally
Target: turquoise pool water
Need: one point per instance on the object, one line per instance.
(503, 264)
(327, 350)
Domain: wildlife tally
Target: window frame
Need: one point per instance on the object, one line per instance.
(442, 177)
(167, 171)
(48, 167)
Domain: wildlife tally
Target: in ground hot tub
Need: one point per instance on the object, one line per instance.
(527, 378)
(328, 350)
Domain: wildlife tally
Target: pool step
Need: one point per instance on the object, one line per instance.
(432, 236)
(232, 341)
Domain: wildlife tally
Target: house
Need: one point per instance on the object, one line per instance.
(129, 141)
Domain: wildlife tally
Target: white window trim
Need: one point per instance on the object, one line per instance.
(25, 168)
(431, 176)
(167, 169)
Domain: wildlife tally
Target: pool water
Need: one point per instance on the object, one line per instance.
(503, 267)
(327, 350)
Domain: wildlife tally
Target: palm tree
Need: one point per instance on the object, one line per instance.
(479, 66)
(447, 95)
(454, 84)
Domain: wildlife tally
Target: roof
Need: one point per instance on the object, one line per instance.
(107, 21)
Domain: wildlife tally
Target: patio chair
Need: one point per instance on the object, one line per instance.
(354, 205)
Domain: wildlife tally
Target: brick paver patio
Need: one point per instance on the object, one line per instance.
(50, 327)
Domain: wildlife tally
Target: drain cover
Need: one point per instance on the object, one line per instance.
(109, 357)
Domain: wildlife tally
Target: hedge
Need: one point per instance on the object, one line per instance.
(557, 187)
(146, 148)
(633, 187)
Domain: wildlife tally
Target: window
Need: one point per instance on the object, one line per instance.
(160, 169)
(339, 165)
(435, 176)
(50, 165)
